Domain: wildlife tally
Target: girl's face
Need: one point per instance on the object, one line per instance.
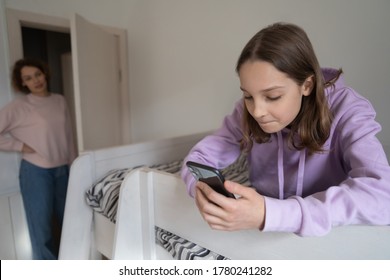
(271, 97)
(35, 80)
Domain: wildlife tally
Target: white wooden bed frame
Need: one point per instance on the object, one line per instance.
(149, 197)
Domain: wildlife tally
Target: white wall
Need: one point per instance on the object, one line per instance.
(14, 238)
(8, 161)
(182, 53)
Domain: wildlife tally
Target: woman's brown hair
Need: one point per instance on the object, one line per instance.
(17, 82)
(288, 48)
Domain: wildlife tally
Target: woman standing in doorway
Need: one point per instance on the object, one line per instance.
(38, 125)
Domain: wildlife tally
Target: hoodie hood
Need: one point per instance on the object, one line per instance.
(328, 74)
(331, 73)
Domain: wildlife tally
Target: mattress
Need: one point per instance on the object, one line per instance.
(104, 194)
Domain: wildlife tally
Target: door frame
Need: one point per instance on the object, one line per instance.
(17, 18)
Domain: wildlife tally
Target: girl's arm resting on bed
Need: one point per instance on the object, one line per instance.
(218, 150)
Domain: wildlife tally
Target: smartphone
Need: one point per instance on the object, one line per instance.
(209, 175)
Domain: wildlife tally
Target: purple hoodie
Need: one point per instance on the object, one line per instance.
(310, 194)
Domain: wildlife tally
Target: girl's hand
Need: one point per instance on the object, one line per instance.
(223, 213)
(27, 149)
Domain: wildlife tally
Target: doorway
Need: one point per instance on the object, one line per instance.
(95, 84)
(47, 46)
(52, 47)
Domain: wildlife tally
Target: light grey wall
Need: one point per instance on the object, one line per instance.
(182, 53)
(8, 161)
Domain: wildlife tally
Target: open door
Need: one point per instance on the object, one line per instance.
(97, 88)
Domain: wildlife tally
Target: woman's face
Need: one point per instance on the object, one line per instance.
(271, 97)
(35, 80)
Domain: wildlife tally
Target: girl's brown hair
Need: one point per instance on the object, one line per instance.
(17, 82)
(288, 48)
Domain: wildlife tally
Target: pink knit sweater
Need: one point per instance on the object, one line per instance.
(44, 124)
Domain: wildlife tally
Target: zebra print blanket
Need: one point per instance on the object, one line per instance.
(182, 249)
(103, 198)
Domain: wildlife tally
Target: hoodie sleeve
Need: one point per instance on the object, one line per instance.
(362, 198)
(219, 149)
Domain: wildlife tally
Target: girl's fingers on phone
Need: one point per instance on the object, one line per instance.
(208, 200)
(237, 188)
(211, 194)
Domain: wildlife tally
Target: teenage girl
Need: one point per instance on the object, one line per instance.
(314, 159)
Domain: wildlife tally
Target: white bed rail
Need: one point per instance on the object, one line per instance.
(150, 198)
(135, 235)
(77, 238)
(169, 207)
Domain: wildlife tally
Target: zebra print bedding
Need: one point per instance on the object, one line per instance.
(182, 249)
(103, 198)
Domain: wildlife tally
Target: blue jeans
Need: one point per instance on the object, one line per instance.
(44, 194)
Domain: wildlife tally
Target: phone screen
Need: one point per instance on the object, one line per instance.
(209, 175)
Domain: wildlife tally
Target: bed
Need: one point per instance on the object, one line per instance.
(154, 212)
